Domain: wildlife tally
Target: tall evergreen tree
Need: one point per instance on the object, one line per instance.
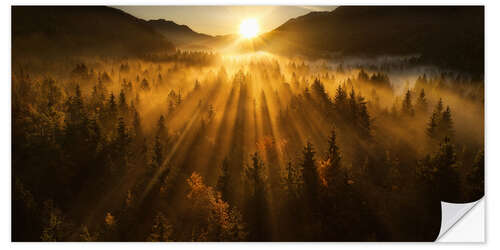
(223, 181)
(137, 124)
(422, 104)
(112, 108)
(310, 173)
(291, 181)
(340, 100)
(439, 107)
(158, 157)
(161, 131)
(333, 159)
(432, 126)
(364, 119)
(122, 103)
(407, 106)
(353, 111)
(475, 177)
(446, 123)
(256, 207)
(121, 143)
(445, 161)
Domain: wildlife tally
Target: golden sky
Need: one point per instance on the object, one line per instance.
(222, 20)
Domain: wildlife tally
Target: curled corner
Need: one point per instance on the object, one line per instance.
(451, 213)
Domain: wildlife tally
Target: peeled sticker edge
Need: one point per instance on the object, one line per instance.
(451, 213)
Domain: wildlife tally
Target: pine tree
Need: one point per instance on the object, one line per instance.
(362, 76)
(439, 107)
(256, 208)
(95, 135)
(157, 159)
(364, 119)
(144, 84)
(475, 178)
(122, 103)
(432, 126)
(161, 131)
(291, 181)
(122, 142)
(310, 173)
(340, 100)
(255, 173)
(210, 112)
(333, 158)
(112, 108)
(446, 123)
(323, 98)
(407, 107)
(447, 180)
(122, 135)
(437, 129)
(137, 99)
(197, 85)
(353, 112)
(223, 181)
(160, 79)
(179, 98)
(171, 107)
(76, 108)
(137, 124)
(422, 104)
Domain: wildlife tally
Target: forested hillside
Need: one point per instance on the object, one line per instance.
(448, 36)
(62, 31)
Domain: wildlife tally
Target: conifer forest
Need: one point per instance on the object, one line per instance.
(122, 136)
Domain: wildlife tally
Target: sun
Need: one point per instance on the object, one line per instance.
(249, 28)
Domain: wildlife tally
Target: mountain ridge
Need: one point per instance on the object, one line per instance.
(449, 36)
(82, 30)
(178, 34)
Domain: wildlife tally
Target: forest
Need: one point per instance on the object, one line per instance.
(204, 146)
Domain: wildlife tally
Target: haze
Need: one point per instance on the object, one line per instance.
(222, 20)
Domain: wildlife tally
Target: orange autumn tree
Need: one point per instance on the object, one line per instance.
(214, 219)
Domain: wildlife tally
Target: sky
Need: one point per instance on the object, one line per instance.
(222, 20)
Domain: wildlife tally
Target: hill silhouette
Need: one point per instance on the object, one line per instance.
(178, 34)
(451, 37)
(82, 30)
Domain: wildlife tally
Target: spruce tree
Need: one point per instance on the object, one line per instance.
(432, 126)
(332, 162)
(475, 178)
(256, 207)
(364, 120)
(353, 111)
(422, 104)
(407, 107)
(137, 124)
(122, 103)
(340, 100)
(161, 131)
(309, 172)
(439, 107)
(223, 180)
(446, 123)
(112, 108)
(447, 179)
(157, 159)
